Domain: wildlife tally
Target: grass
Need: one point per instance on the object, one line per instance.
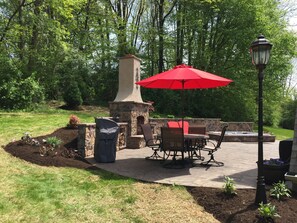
(31, 193)
(280, 133)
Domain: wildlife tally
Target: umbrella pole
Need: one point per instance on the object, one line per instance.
(183, 110)
(183, 85)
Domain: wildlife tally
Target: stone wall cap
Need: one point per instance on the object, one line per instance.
(137, 136)
(239, 122)
(122, 123)
(130, 102)
(86, 124)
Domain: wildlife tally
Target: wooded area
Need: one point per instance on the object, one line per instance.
(69, 50)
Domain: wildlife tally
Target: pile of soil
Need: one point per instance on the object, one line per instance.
(238, 208)
(65, 156)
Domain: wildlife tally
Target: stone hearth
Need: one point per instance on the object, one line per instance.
(134, 114)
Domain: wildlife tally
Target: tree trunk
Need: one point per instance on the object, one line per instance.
(180, 34)
(21, 43)
(161, 36)
(34, 40)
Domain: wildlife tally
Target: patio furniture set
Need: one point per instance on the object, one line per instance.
(180, 144)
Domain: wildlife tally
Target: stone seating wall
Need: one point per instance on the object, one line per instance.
(87, 132)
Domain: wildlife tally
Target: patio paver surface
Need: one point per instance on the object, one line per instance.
(239, 159)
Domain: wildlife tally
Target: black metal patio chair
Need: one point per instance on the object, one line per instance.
(151, 142)
(215, 145)
(172, 144)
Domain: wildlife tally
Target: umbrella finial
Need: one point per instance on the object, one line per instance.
(182, 66)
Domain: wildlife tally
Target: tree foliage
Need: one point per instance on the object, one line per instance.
(52, 43)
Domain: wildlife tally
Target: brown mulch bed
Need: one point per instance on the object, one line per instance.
(239, 208)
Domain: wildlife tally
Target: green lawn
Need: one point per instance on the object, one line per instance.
(31, 193)
(280, 133)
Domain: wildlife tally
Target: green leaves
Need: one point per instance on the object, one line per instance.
(280, 190)
(229, 186)
(21, 94)
(45, 37)
(267, 211)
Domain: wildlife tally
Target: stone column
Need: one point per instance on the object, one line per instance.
(86, 139)
(291, 177)
(293, 162)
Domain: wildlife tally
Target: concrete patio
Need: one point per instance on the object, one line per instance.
(239, 157)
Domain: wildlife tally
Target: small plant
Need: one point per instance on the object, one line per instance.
(170, 116)
(267, 212)
(280, 190)
(50, 144)
(73, 121)
(229, 186)
(53, 141)
(27, 139)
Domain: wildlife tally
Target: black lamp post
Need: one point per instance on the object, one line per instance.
(260, 52)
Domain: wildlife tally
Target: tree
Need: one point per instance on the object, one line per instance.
(56, 41)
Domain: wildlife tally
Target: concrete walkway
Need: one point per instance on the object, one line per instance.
(239, 158)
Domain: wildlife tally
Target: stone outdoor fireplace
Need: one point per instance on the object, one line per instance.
(127, 109)
(128, 105)
(140, 121)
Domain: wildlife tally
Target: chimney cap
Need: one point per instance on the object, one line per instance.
(129, 56)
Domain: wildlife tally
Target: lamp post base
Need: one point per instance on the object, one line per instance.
(261, 191)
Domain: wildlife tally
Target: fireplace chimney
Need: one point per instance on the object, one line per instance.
(129, 73)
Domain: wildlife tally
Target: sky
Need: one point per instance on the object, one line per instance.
(291, 7)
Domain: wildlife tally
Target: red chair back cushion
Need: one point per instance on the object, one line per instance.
(186, 126)
(173, 124)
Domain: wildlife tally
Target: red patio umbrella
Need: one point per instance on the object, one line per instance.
(184, 77)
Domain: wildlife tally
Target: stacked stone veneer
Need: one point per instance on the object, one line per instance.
(86, 139)
(130, 112)
(240, 126)
(128, 137)
(211, 124)
(87, 135)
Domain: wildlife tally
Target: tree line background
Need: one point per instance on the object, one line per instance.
(69, 50)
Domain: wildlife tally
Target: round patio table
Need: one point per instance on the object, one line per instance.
(195, 143)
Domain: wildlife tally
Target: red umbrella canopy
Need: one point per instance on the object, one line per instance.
(184, 77)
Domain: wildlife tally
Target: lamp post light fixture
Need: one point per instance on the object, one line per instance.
(260, 52)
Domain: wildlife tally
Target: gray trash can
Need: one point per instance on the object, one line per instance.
(106, 140)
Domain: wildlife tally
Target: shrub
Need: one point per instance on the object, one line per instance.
(288, 114)
(267, 211)
(21, 94)
(156, 116)
(280, 190)
(73, 121)
(229, 186)
(72, 95)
